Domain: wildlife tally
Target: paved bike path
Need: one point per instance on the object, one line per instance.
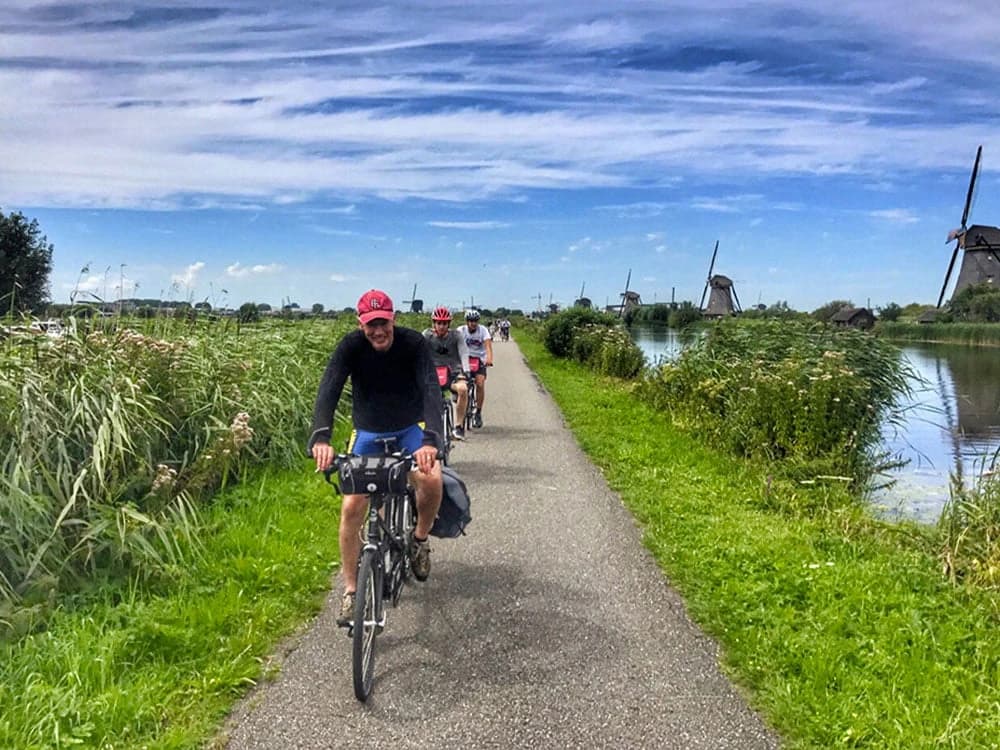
(548, 625)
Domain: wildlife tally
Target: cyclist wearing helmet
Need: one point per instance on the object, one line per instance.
(448, 349)
(480, 343)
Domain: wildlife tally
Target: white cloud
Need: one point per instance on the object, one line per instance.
(895, 215)
(189, 276)
(238, 270)
(468, 224)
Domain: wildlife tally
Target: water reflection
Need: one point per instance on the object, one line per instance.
(949, 424)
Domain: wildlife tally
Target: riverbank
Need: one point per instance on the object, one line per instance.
(840, 626)
(968, 334)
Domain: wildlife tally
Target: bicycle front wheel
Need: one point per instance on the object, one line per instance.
(367, 610)
(449, 429)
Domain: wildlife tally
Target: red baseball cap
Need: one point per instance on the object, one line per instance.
(374, 304)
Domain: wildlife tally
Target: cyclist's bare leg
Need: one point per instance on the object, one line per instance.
(352, 516)
(480, 391)
(461, 390)
(428, 487)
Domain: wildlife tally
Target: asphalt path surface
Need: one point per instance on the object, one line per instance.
(547, 625)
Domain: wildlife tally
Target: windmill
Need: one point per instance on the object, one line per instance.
(723, 300)
(629, 299)
(416, 305)
(582, 301)
(980, 245)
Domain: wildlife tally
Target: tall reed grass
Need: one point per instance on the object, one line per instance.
(808, 396)
(112, 437)
(970, 533)
(974, 334)
(595, 339)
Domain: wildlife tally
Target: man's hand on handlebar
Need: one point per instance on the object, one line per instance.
(425, 457)
(323, 453)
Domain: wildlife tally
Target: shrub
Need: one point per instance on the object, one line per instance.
(807, 395)
(561, 328)
(114, 437)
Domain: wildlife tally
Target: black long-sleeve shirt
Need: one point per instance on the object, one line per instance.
(390, 390)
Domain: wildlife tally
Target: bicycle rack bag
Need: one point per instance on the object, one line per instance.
(455, 512)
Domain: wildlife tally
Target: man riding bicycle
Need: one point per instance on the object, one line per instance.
(394, 388)
(480, 344)
(448, 349)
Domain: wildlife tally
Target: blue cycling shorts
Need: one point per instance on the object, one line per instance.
(363, 443)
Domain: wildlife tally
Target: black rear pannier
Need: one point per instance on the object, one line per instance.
(364, 475)
(454, 514)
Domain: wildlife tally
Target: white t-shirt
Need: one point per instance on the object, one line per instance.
(476, 341)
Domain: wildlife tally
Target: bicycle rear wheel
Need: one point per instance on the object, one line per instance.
(367, 610)
(407, 523)
(470, 410)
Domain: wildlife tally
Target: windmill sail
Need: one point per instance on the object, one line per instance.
(979, 245)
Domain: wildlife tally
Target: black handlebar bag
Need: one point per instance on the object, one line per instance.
(364, 475)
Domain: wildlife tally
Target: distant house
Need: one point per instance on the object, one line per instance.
(853, 317)
(929, 316)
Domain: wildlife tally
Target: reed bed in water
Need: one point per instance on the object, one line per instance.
(974, 334)
(111, 438)
(807, 396)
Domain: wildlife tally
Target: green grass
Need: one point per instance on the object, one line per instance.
(160, 667)
(840, 628)
(972, 334)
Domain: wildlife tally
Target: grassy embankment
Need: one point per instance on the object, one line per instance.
(971, 334)
(841, 628)
(137, 603)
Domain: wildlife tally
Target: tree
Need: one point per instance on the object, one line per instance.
(979, 303)
(684, 315)
(317, 308)
(248, 313)
(830, 309)
(890, 313)
(25, 264)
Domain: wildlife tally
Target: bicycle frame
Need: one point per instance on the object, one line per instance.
(384, 562)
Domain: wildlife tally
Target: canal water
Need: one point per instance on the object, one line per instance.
(949, 425)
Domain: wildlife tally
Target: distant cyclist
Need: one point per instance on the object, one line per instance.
(480, 343)
(505, 329)
(394, 388)
(448, 349)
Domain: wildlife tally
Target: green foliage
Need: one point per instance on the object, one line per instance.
(595, 338)
(560, 329)
(129, 666)
(779, 310)
(970, 533)
(25, 265)
(827, 311)
(248, 313)
(658, 313)
(684, 315)
(838, 625)
(976, 304)
(974, 334)
(808, 395)
(890, 313)
(113, 437)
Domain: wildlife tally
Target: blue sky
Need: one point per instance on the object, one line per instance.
(503, 153)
